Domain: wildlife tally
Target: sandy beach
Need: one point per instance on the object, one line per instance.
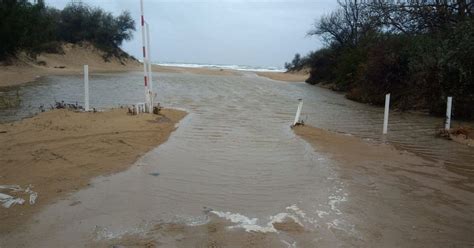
(58, 152)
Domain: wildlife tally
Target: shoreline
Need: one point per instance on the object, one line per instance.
(60, 151)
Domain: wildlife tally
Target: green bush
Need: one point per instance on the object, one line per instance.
(35, 28)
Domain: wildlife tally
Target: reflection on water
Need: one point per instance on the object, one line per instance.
(234, 153)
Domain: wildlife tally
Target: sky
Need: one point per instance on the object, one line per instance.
(229, 32)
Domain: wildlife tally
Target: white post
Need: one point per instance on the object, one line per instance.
(150, 77)
(298, 112)
(86, 88)
(385, 116)
(448, 113)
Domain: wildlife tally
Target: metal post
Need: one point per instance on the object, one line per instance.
(298, 112)
(385, 116)
(145, 57)
(86, 87)
(448, 113)
(150, 76)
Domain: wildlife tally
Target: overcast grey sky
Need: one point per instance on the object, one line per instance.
(241, 32)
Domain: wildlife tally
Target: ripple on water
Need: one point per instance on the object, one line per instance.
(234, 153)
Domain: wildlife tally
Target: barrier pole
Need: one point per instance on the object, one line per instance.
(145, 57)
(150, 76)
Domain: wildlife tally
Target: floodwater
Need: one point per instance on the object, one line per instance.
(235, 156)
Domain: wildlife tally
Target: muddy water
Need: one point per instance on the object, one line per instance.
(233, 157)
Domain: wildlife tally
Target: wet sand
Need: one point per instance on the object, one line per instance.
(299, 76)
(216, 232)
(58, 152)
(198, 71)
(463, 134)
(397, 197)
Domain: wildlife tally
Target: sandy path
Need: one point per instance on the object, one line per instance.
(58, 152)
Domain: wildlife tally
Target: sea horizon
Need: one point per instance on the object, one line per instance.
(222, 66)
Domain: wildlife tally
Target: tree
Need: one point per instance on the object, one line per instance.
(420, 51)
(347, 25)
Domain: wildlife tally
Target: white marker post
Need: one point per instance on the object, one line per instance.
(298, 112)
(448, 113)
(385, 116)
(86, 88)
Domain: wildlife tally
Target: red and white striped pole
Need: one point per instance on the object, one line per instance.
(150, 76)
(145, 60)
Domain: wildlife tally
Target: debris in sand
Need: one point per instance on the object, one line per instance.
(64, 105)
(157, 109)
(33, 195)
(463, 135)
(7, 200)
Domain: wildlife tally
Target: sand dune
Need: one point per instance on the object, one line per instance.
(24, 69)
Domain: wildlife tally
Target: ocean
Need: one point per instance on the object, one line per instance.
(229, 67)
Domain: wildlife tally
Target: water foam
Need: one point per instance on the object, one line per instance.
(251, 224)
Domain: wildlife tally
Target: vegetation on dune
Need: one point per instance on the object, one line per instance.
(419, 51)
(36, 28)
